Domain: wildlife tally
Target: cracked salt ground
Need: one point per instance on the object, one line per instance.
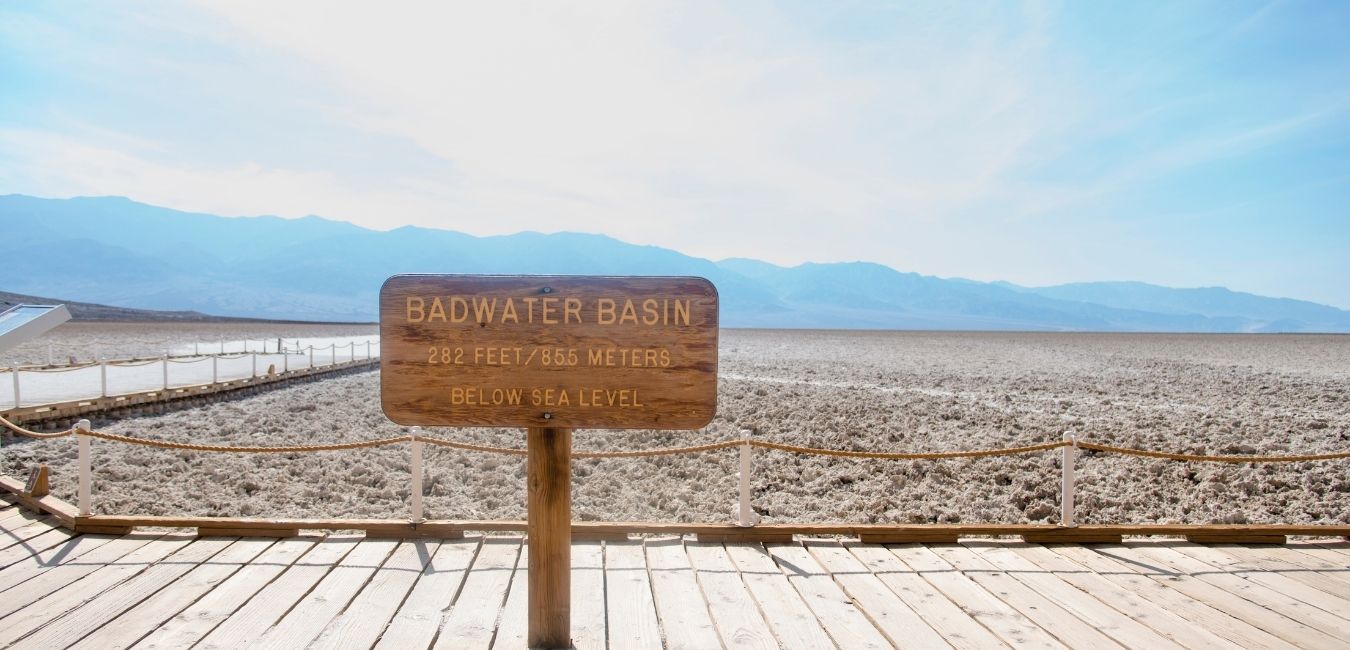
(1255, 394)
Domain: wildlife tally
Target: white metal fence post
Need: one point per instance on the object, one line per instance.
(222, 346)
(50, 358)
(255, 365)
(332, 354)
(311, 357)
(102, 377)
(745, 516)
(165, 361)
(416, 476)
(215, 366)
(14, 370)
(367, 350)
(285, 360)
(1066, 488)
(85, 489)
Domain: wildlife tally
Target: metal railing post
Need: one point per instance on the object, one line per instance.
(416, 476)
(102, 377)
(14, 370)
(367, 350)
(255, 365)
(215, 366)
(285, 360)
(1066, 479)
(311, 357)
(85, 489)
(746, 516)
(165, 361)
(332, 354)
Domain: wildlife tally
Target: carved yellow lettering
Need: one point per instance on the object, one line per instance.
(629, 313)
(649, 315)
(529, 309)
(548, 307)
(595, 356)
(571, 309)
(509, 311)
(604, 311)
(682, 311)
(415, 306)
(484, 310)
(459, 309)
(437, 311)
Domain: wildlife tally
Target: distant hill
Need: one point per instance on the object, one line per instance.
(116, 251)
(85, 311)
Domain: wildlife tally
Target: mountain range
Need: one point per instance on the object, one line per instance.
(112, 250)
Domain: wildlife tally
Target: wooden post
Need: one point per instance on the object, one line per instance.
(85, 489)
(550, 537)
(1066, 480)
(416, 492)
(745, 516)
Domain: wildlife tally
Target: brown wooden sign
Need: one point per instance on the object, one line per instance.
(549, 351)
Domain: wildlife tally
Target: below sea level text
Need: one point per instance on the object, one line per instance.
(546, 397)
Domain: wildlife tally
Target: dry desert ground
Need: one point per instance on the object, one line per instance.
(886, 391)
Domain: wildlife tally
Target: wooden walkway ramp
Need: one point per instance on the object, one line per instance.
(176, 590)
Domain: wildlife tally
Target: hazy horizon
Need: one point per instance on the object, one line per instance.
(1187, 144)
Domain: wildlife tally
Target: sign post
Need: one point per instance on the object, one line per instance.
(549, 354)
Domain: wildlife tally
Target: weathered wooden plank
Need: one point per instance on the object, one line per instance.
(791, 620)
(733, 609)
(1217, 597)
(1283, 577)
(326, 600)
(896, 620)
(26, 614)
(628, 598)
(26, 529)
(1275, 602)
(513, 628)
(473, 619)
(836, 612)
(246, 624)
(32, 546)
(188, 626)
(1137, 607)
(1003, 620)
(589, 631)
(361, 624)
(1049, 615)
(122, 616)
(956, 626)
(1039, 584)
(1177, 597)
(680, 605)
(419, 618)
(35, 565)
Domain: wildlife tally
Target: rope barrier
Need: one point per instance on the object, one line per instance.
(132, 364)
(938, 455)
(1144, 453)
(61, 369)
(282, 449)
(34, 434)
(193, 360)
(692, 449)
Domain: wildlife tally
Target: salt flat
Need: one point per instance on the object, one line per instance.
(886, 391)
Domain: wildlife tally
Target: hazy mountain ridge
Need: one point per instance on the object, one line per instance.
(116, 251)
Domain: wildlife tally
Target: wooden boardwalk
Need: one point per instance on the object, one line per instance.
(176, 590)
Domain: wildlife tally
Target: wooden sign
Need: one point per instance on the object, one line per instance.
(549, 351)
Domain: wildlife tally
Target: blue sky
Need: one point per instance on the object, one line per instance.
(1185, 144)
